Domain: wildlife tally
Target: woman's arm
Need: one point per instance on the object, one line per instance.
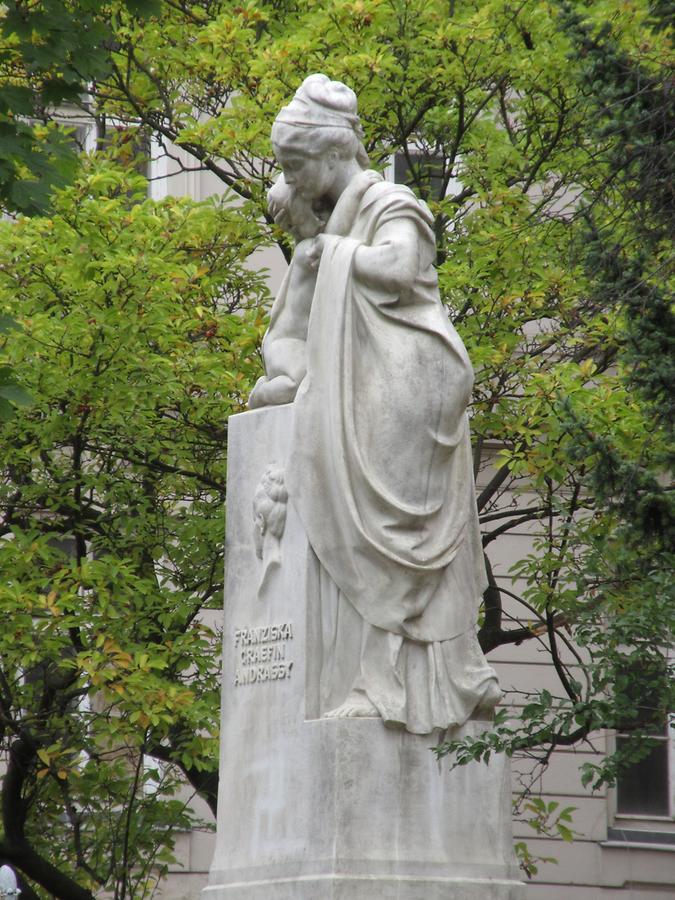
(392, 262)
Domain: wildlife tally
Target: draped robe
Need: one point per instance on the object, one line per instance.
(380, 473)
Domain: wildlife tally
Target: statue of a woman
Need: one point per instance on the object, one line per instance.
(380, 470)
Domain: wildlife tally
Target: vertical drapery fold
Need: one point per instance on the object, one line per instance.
(381, 466)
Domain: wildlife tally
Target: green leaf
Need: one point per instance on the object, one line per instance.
(15, 394)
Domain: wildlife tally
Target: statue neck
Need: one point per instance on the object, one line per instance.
(345, 173)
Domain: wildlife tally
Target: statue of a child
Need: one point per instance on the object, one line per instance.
(284, 346)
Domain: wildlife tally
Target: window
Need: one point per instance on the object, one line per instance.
(423, 173)
(643, 789)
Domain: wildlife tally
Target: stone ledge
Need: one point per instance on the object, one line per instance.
(344, 887)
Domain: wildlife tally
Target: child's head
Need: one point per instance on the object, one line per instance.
(294, 213)
(269, 507)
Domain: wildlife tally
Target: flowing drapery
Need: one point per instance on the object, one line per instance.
(381, 465)
(380, 472)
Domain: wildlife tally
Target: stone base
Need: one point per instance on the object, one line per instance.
(349, 887)
(346, 809)
(330, 809)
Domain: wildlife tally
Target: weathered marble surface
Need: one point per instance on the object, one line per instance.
(315, 808)
(354, 566)
(380, 468)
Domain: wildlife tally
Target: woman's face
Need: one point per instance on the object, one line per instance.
(311, 177)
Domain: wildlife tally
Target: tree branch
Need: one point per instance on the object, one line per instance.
(493, 535)
(205, 783)
(493, 486)
(15, 847)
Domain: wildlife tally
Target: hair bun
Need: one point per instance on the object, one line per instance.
(332, 94)
(326, 111)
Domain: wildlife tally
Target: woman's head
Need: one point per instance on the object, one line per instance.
(321, 120)
(295, 213)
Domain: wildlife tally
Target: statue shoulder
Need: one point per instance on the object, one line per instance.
(390, 197)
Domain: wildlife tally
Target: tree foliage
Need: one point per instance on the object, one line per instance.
(140, 332)
(52, 51)
(538, 133)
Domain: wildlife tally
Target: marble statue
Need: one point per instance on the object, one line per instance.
(354, 565)
(380, 468)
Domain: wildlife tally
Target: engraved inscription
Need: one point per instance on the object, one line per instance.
(262, 653)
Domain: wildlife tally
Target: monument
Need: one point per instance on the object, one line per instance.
(354, 566)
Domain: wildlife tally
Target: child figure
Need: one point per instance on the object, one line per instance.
(283, 347)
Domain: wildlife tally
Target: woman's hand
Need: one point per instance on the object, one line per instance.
(278, 200)
(308, 252)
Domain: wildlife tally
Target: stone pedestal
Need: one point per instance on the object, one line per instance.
(329, 809)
